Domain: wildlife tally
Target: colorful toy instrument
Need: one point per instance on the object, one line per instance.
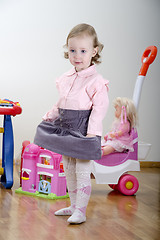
(8, 108)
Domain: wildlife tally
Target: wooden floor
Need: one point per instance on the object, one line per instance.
(109, 214)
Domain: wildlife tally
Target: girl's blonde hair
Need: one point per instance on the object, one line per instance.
(130, 109)
(85, 29)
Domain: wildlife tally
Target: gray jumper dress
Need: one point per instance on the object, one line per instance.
(67, 135)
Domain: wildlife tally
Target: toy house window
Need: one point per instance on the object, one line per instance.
(44, 159)
(25, 173)
(45, 177)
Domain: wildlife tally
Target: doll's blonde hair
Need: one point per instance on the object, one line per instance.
(130, 109)
(86, 29)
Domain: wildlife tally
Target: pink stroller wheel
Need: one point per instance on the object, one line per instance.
(128, 184)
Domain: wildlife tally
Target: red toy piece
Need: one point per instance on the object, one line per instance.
(8, 107)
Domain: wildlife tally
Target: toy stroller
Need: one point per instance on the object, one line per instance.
(112, 169)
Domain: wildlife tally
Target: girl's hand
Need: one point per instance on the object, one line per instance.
(48, 117)
(51, 115)
(90, 135)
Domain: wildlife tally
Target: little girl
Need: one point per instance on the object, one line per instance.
(120, 138)
(74, 125)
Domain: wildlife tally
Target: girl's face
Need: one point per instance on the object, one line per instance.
(81, 51)
(117, 111)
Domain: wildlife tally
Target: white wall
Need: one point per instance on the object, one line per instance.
(32, 35)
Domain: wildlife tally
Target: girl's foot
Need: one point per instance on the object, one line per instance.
(77, 217)
(65, 211)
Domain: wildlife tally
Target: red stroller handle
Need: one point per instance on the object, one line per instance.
(147, 58)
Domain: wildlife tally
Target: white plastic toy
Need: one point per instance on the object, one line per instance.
(112, 169)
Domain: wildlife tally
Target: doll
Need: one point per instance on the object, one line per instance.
(119, 138)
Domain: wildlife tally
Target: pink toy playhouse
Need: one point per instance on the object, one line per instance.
(42, 172)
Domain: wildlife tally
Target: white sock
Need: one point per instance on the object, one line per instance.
(70, 172)
(83, 194)
(77, 217)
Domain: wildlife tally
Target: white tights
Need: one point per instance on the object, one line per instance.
(79, 188)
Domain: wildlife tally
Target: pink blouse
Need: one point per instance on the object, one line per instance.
(82, 90)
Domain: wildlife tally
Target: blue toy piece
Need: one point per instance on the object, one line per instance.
(8, 108)
(7, 153)
(44, 187)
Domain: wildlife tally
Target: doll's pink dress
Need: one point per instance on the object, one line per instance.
(120, 143)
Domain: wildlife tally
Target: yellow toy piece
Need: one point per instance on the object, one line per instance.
(1, 130)
(129, 185)
(1, 171)
(3, 101)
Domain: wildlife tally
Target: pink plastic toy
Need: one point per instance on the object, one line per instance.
(42, 172)
(113, 169)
